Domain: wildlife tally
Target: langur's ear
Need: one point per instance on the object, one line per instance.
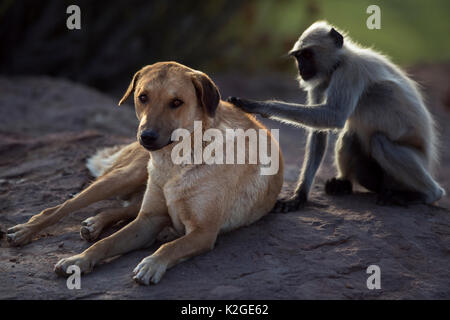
(131, 87)
(337, 38)
(207, 92)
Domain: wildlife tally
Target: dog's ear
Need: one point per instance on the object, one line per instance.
(207, 92)
(131, 87)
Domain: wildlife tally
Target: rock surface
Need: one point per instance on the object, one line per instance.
(48, 127)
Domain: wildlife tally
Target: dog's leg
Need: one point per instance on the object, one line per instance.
(139, 233)
(93, 226)
(152, 268)
(118, 182)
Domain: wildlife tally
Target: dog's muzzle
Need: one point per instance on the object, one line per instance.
(149, 140)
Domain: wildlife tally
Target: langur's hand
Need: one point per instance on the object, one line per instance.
(244, 104)
(249, 106)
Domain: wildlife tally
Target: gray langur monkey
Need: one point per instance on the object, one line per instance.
(386, 142)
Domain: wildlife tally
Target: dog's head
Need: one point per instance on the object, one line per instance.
(168, 96)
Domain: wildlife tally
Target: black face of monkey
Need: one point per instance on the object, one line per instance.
(306, 63)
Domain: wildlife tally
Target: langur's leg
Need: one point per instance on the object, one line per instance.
(347, 151)
(408, 168)
(354, 164)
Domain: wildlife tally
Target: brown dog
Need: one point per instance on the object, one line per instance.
(195, 201)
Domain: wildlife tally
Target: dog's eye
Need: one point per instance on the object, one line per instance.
(176, 103)
(143, 98)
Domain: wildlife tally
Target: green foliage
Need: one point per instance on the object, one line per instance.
(411, 31)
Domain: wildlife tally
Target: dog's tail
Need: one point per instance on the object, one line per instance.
(103, 160)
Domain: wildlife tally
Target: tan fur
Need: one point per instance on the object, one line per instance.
(196, 201)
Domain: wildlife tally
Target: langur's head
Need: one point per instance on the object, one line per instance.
(317, 51)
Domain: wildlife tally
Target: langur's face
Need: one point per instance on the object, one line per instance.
(316, 51)
(306, 64)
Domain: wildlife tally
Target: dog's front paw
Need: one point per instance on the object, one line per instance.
(290, 204)
(338, 187)
(150, 270)
(79, 260)
(19, 235)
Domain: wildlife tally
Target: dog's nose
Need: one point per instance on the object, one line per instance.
(148, 137)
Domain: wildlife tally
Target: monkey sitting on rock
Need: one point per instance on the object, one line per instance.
(386, 143)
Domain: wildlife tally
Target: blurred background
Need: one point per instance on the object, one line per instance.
(118, 37)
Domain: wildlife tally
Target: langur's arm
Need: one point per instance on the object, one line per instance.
(315, 150)
(331, 114)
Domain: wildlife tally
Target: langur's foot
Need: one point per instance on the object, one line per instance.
(400, 198)
(293, 203)
(338, 187)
